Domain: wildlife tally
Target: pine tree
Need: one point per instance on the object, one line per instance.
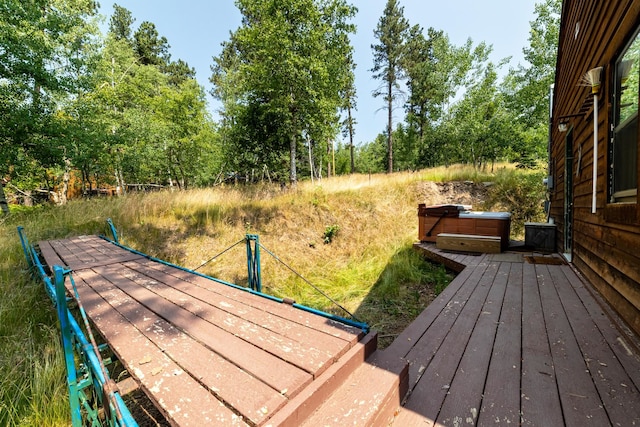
(120, 23)
(391, 32)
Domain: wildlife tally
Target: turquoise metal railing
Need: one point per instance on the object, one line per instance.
(255, 281)
(86, 372)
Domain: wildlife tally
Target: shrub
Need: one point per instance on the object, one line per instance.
(330, 232)
(520, 192)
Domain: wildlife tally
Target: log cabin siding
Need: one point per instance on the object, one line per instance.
(605, 245)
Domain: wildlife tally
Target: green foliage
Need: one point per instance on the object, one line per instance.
(281, 78)
(150, 47)
(402, 291)
(114, 114)
(483, 132)
(32, 372)
(330, 232)
(526, 87)
(435, 70)
(457, 109)
(520, 192)
(45, 50)
(528, 84)
(120, 23)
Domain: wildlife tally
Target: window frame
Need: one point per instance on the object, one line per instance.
(626, 196)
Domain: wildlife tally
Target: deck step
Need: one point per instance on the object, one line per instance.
(371, 395)
(469, 243)
(308, 400)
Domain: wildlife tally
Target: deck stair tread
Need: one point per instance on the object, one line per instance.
(370, 396)
(306, 402)
(469, 243)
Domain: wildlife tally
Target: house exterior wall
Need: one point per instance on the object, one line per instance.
(605, 245)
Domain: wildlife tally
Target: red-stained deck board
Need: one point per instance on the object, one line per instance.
(579, 398)
(275, 372)
(540, 400)
(251, 397)
(436, 379)
(175, 392)
(331, 327)
(470, 376)
(305, 347)
(51, 256)
(204, 352)
(86, 252)
(607, 374)
(617, 336)
(501, 399)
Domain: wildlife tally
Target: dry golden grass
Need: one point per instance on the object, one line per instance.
(375, 216)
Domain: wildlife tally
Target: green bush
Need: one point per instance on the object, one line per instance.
(520, 192)
(330, 232)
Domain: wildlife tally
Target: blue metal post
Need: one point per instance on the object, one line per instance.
(114, 232)
(253, 262)
(67, 344)
(25, 246)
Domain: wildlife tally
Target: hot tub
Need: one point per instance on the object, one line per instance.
(434, 221)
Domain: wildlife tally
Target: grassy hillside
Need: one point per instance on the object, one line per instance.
(349, 236)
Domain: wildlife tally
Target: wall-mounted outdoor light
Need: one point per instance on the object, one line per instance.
(563, 126)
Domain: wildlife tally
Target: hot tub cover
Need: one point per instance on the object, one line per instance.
(486, 215)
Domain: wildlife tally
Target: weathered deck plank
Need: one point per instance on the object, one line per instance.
(434, 378)
(607, 374)
(331, 327)
(204, 352)
(162, 378)
(539, 391)
(470, 376)
(579, 397)
(250, 397)
(275, 372)
(620, 339)
(50, 255)
(501, 400)
(422, 351)
(85, 252)
(307, 348)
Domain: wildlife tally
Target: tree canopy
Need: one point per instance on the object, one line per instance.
(388, 56)
(81, 110)
(106, 107)
(280, 78)
(458, 108)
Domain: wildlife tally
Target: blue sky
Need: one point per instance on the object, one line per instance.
(196, 28)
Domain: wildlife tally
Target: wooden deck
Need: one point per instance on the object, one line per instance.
(204, 352)
(507, 342)
(518, 343)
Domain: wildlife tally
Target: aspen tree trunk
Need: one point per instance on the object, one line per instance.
(350, 118)
(293, 174)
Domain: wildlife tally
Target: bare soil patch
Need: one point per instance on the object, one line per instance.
(455, 192)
